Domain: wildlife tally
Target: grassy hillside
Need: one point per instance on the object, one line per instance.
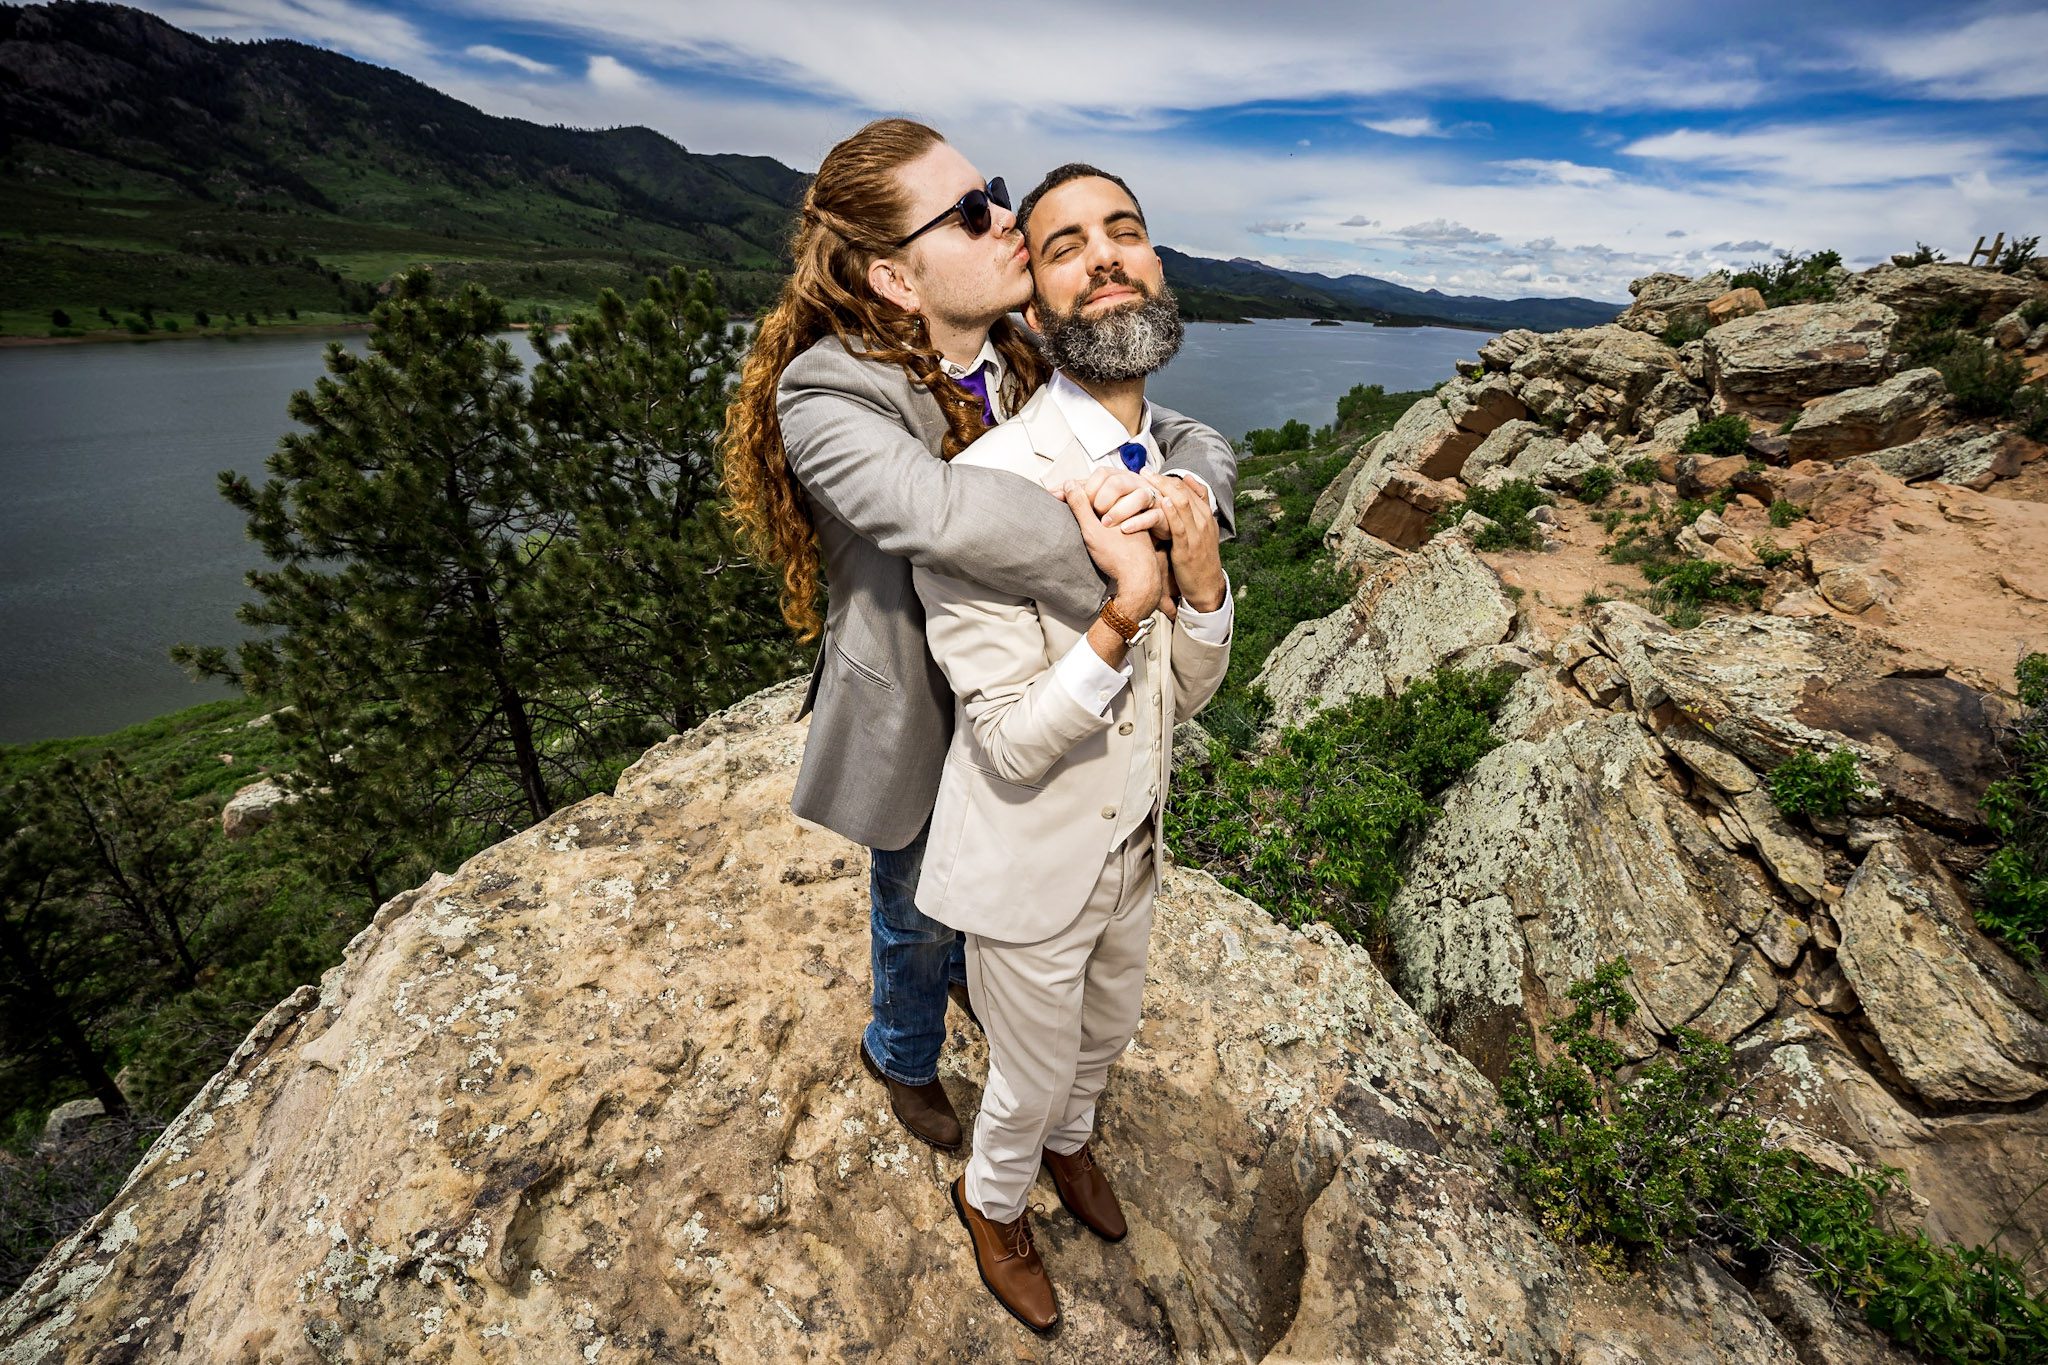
(150, 173)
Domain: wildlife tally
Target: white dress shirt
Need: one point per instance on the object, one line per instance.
(991, 357)
(1081, 671)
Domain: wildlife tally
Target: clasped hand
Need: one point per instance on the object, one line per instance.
(1112, 506)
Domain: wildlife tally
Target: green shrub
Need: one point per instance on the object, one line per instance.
(1316, 828)
(1772, 555)
(59, 318)
(2034, 312)
(1685, 330)
(2017, 253)
(1924, 254)
(1727, 434)
(1596, 483)
(1508, 506)
(1290, 435)
(2030, 411)
(2012, 886)
(1983, 380)
(1784, 513)
(1791, 278)
(135, 325)
(1805, 785)
(1634, 1168)
(1640, 470)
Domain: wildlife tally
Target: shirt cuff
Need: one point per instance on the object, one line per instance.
(1083, 675)
(1206, 627)
(1198, 481)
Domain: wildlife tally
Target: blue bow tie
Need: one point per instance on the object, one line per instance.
(1133, 456)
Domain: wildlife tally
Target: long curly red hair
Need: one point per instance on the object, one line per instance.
(853, 214)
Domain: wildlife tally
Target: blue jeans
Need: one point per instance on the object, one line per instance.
(913, 958)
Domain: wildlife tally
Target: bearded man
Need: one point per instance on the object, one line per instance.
(1044, 842)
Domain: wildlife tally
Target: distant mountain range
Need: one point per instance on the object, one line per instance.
(1241, 288)
(149, 175)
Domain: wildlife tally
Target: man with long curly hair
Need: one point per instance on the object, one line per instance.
(890, 351)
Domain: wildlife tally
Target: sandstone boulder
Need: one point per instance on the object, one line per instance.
(1592, 374)
(1861, 420)
(1480, 406)
(1665, 300)
(1426, 440)
(1331, 501)
(1957, 1017)
(252, 807)
(1401, 511)
(1736, 303)
(592, 1098)
(1916, 291)
(1408, 616)
(1769, 364)
(1966, 457)
(1500, 448)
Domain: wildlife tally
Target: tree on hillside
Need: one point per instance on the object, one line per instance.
(627, 408)
(132, 849)
(403, 624)
(60, 985)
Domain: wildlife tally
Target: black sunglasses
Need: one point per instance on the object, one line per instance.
(973, 210)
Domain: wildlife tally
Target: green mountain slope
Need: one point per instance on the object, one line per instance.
(1210, 288)
(140, 164)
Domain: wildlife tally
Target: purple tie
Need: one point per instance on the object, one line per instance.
(1133, 455)
(977, 384)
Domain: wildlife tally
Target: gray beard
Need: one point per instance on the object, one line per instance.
(1120, 346)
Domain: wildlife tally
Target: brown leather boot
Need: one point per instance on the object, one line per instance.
(960, 997)
(1008, 1261)
(1085, 1190)
(924, 1109)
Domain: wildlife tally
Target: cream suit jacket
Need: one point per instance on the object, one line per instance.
(1032, 780)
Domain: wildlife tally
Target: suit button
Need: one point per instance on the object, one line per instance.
(1109, 812)
(1124, 729)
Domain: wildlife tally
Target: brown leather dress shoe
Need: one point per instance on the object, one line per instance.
(924, 1109)
(1085, 1190)
(958, 993)
(1008, 1261)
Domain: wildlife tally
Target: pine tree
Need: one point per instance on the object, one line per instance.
(402, 624)
(60, 985)
(627, 407)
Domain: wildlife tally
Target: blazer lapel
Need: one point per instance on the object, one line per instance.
(1052, 439)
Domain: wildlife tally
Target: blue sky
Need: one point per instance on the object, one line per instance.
(1527, 148)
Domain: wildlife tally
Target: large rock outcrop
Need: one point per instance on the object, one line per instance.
(1768, 364)
(593, 1098)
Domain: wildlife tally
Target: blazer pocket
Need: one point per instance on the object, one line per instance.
(872, 674)
(992, 775)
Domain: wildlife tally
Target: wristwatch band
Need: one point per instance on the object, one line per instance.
(1123, 625)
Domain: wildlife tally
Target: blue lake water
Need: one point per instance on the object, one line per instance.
(115, 543)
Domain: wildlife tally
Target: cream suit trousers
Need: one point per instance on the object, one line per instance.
(1056, 1014)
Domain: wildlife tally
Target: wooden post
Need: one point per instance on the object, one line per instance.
(1991, 256)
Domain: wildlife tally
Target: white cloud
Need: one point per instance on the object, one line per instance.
(613, 76)
(1359, 220)
(1406, 127)
(484, 52)
(361, 29)
(1847, 152)
(1561, 172)
(1273, 228)
(1442, 230)
(1981, 60)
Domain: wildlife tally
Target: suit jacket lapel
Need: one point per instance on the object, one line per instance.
(1052, 439)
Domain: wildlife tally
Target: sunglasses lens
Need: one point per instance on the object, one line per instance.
(974, 214)
(999, 192)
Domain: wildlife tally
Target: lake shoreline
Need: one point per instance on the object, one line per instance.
(215, 334)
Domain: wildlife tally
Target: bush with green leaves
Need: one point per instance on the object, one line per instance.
(2034, 312)
(2017, 253)
(1633, 1164)
(1792, 278)
(1772, 555)
(1642, 469)
(2030, 411)
(2012, 886)
(1806, 785)
(1727, 434)
(1983, 381)
(1924, 254)
(1685, 330)
(1596, 483)
(1783, 513)
(1507, 506)
(1290, 435)
(1316, 828)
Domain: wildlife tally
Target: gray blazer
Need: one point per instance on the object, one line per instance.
(863, 442)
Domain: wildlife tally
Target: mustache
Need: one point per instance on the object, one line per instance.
(1115, 275)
